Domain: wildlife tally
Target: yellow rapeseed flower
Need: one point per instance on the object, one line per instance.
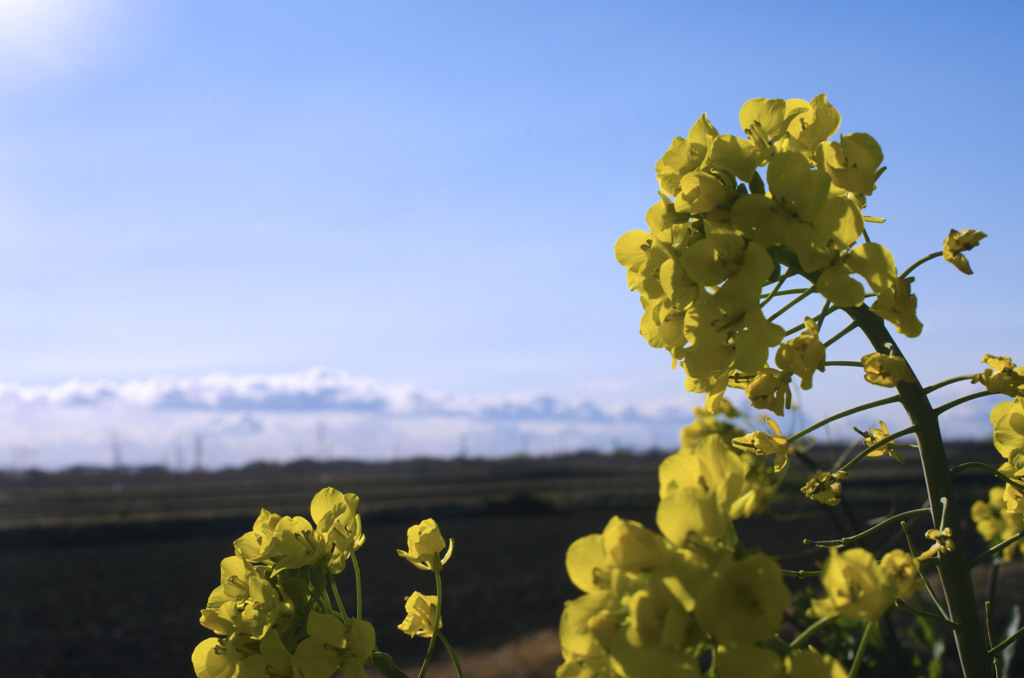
(856, 586)
(802, 355)
(743, 600)
(420, 611)
(995, 522)
(426, 545)
(336, 518)
(1008, 428)
(762, 443)
(875, 435)
(1002, 376)
(825, 487)
(958, 242)
(905, 569)
(885, 370)
(215, 658)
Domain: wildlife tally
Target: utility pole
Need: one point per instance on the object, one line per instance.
(198, 451)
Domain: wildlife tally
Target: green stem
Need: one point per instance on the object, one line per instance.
(842, 333)
(337, 596)
(844, 413)
(925, 613)
(891, 519)
(436, 628)
(988, 553)
(859, 657)
(803, 295)
(801, 574)
(927, 584)
(844, 363)
(954, 572)
(993, 574)
(774, 290)
(920, 261)
(826, 310)
(960, 401)
(359, 586)
(451, 653)
(993, 471)
(998, 648)
(805, 635)
(801, 291)
(947, 382)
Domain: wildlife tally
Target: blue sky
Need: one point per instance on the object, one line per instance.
(427, 194)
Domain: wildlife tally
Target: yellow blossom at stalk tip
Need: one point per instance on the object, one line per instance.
(336, 518)
(705, 424)
(693, 513)
(333, 645)
(943, 542)
(215, 658)
(420, 611)
(876, 435)
(762, 443)
(285, 542)
(713, 469)
(426, 545)
(958, 242)
(905, 569)
(768, 389)
(632, 547)
(996, 523)
(1008, 428)
(885, 370)
(856, 586)
(1002, 376)
(825, 487)
(273, 659)
(803, 355)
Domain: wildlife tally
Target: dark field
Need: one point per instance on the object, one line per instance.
(105, 573)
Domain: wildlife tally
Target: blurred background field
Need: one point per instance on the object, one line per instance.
(106, 571)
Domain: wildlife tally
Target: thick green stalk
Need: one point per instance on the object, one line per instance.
(954, 571)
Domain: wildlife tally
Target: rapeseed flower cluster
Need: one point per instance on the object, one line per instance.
(1008, 437)
(658, 603)
(721, 232)
(996, 523)
(269, 613)
(859, 587)
(1002, 516)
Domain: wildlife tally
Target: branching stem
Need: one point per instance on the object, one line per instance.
(891, 519)
(920, 261)
(988, 553)
(803, 295)
(874, 446)
(845, 413)
(960, 401)
(996, 472)
(806, 634)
